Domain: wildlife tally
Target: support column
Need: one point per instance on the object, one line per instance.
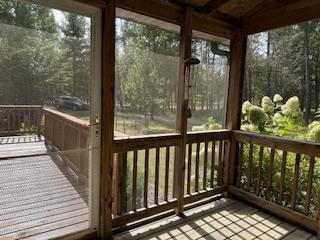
(185, 53)
(233, 117)
(107, 119)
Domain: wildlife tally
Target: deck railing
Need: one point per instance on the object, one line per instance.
(70, 137)
(279, 175)
(65, 134)
(16, 119)
(144, 173)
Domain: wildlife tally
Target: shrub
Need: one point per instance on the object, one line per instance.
(257, 117)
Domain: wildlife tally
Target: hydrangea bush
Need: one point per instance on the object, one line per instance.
(273, 117)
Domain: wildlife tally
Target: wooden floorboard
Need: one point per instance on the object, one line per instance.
(225, 219)
(40, 196)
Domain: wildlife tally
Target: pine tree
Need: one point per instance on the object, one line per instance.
(78, 52)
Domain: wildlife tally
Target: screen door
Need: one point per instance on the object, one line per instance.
(50, 67)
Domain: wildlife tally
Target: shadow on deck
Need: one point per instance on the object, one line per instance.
(40, 196)
(222, 219)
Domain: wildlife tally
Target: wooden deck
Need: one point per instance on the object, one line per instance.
(40, 196)
(223, 219)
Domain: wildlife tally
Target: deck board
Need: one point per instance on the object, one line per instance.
(40, 196)
(223, 219)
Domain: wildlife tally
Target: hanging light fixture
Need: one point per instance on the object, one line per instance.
(189, 63)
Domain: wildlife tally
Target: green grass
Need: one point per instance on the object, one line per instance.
(162, 167)
(135, 126)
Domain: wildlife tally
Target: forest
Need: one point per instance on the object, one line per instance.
(44, 53)
(147, 67)
(281, 98)
(285, 61)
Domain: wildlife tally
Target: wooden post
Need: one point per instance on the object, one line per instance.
(237, 64)
(179, 166)
(107, 119)
(119, 184)
(318, 216)
(39, 118)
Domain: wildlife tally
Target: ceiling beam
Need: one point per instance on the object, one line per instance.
(224, 17)
(174, 13)
(212, 6)
(296, 12)
(263, 6)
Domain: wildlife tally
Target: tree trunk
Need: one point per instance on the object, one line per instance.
(307, 71)
(317, 88)
(269, 66)
(317, 83)
(74, 86)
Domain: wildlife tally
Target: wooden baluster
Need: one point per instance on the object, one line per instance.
(283, 176)
(1, 121)
(259, 171)
(220, 166)
(156, 180)
(27, 121)
(14, 126)
(240, 165)
(120, 170)
(249, 170)
(123, 187)
(8, 120)
(309, 186)
(19, 119)
(30, 120)
(166, 184)
(270, 175)
(196, 184)
(213, 162)
(189, 168)
(146, 178)
(205, 165)
(134, 180)
(52, 131)
(295, 182)
(318, 215)
(318, 212)
(38, 120)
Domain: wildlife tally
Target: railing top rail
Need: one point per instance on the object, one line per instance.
(290, 145)
(213, 135)
(128, 143)
(123, 144)
(20, 106)
(66, 118)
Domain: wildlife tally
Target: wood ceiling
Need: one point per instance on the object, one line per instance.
(233, 11)
(224, 17)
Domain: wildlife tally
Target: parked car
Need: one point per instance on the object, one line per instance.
(73, 103)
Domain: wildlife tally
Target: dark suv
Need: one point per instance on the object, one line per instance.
(73, 103)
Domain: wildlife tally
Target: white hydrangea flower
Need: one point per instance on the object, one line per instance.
(267, 105)
(247, 127)
(313, 124)
(246, 107)
(292, 107)
(277, 98)
(277, 116)
(257, 116)
(314, 134)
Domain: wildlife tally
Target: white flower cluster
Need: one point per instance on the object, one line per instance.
(314, 131)
(267, 105)
(292, 107)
